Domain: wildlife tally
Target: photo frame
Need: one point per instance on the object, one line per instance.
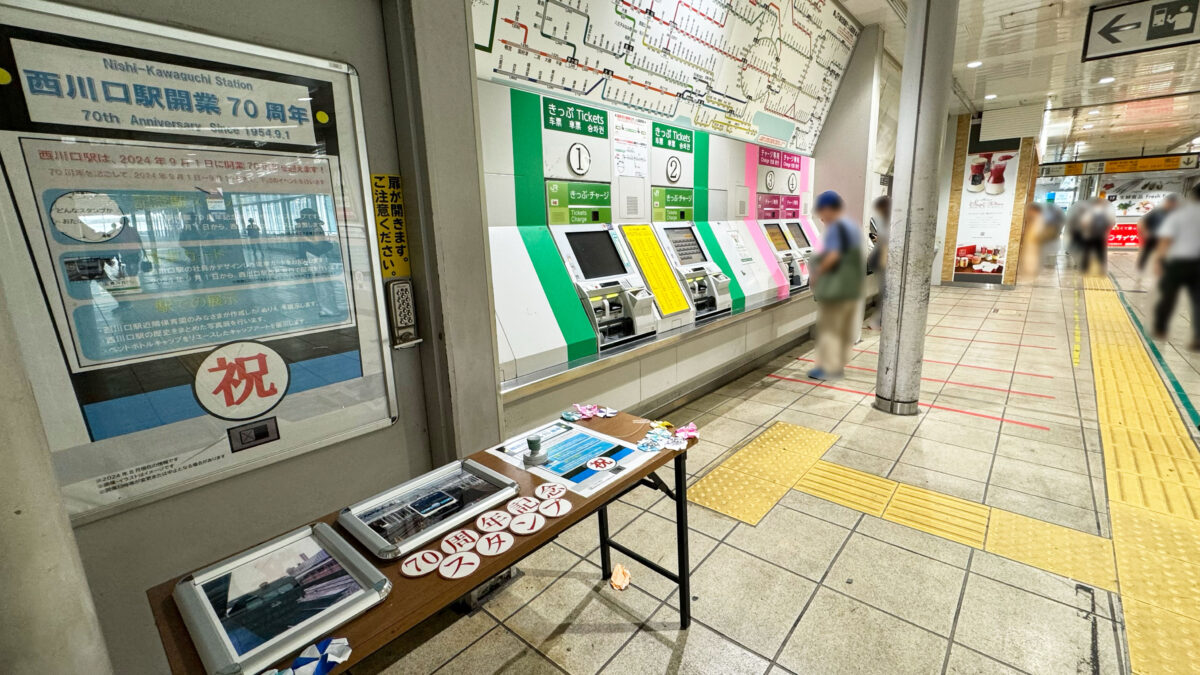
(405, 518)
(250, 610)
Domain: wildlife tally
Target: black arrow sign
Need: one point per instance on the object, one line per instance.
(1110, 30)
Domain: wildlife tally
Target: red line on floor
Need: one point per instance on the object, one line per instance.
(989, 342)
(927, 405)
(989, 330)
(961, 384)
(966, 365)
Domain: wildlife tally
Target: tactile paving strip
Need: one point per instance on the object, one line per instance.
(849, 487)
(1160, 641)
(752, 480)
(1153, 475)
(736, 494)
(1053, 548)
(938, 514)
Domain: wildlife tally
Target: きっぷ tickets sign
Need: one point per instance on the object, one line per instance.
(199, 244)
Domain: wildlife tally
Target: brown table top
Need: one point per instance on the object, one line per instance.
(413, 600)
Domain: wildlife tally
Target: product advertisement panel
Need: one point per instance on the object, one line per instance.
(986, 215)
(187, 223)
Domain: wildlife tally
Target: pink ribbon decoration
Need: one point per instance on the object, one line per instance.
(588, 411)
(688, 430)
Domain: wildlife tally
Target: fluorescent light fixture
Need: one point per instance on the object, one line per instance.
(974, 64)
(1088, 126)
(1093, 112)
(1196, 141)
(989, 97)
(1107, 80)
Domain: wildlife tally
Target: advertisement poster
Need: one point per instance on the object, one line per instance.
(985, 216)
(1133, 200)
(196, 263)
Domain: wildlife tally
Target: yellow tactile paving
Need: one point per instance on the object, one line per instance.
(1160, 641)
(942, 515)
(1153, 476)
(752, 480)
(1156, 533)
(1054, 548)
(736, 494)
(856, 489)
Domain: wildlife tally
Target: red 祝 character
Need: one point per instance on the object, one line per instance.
(239, 381)
(601, 463)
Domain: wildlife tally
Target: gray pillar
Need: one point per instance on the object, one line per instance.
(924, 93)
(49, 622)
(431, 55)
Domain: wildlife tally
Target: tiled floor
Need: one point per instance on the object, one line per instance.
(816, 587)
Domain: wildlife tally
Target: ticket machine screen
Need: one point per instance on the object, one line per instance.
(798, 235)
(596, 253)
(778, 238)
(686, 246)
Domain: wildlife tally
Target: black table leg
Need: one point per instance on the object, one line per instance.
(605, 552)
(681, 541)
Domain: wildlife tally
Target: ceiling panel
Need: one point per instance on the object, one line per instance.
(1031, 54)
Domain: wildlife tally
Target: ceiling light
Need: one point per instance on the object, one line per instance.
(974, 64)
(1088, 126)
(1107, 80)
(989, 97)
(1093, 112)
(1196, 141)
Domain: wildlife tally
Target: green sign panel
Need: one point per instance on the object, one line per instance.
(574, 118)
(577, 203)
(671, 205)
(672, 138)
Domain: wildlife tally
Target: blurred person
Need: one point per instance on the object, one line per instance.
(1034, 232)
(1090, 221)
(1053, 218)
(1148, 229)
(254, 235)
(1178, 258)
(881, 226)
(837, 285)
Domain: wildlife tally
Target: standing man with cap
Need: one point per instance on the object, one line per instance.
(837, 286)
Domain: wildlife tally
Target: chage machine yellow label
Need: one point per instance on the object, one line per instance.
(655, 269)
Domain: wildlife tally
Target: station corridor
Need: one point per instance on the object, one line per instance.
(1017, 524)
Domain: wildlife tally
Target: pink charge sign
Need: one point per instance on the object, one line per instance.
(780, 159)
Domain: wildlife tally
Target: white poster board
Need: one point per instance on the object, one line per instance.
(985, 215)
(188, 252)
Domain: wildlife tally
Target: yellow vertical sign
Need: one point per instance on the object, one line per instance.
(656, 271)
(387, 201)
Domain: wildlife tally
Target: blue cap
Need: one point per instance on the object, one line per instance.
(829, 200)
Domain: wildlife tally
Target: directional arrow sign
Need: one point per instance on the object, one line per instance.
(1140, 26)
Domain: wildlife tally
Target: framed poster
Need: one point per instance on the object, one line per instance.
(985, 217)
(188, 251)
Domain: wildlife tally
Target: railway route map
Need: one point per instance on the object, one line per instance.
(762, 71)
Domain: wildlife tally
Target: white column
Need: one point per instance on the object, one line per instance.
(924, 93)
(47, 617)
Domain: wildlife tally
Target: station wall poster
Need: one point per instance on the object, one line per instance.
(188, 252)
(986, 215)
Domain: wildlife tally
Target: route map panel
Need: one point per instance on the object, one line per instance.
(761, 71)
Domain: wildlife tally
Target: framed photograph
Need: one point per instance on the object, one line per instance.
(253, 609)
(401, 520)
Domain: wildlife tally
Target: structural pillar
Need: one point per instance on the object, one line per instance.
(925, 91)
(46, 609)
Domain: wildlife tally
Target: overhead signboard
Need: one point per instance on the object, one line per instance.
(1163, 163)
(1140, 26)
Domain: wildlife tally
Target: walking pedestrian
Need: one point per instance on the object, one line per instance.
(1178, 256)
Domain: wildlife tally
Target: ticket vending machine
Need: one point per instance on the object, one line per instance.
(801, 245)
(692, 262)
(793, 265)
(613, 294)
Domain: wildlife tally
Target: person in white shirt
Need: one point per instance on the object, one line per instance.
(1178, 256)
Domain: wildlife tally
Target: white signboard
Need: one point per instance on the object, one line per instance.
(74, 86)
(1140, 26)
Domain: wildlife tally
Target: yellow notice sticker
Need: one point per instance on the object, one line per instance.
(387, 201)
(655, 269)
